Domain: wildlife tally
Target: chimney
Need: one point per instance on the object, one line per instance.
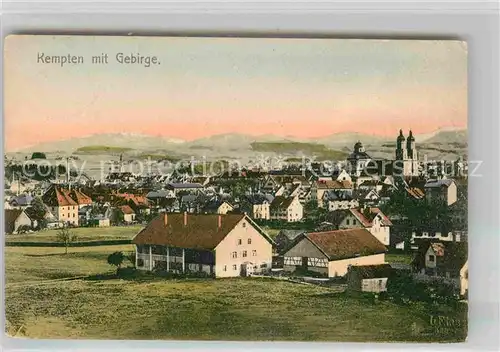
(185, 218)
(219, 225)
(165, 219)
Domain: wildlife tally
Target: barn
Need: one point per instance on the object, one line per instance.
(332, 252)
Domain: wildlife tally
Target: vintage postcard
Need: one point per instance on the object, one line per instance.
(191, 188)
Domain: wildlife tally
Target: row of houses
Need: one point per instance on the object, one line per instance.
(230, 245)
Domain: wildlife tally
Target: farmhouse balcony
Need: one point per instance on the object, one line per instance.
(174, 259)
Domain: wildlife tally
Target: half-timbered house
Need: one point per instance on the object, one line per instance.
(333, 252)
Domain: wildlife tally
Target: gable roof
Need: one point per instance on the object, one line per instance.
(344, 244)
(370, 183)
(282, 202)
(290, 234)
(449, 255)
(214, 205)
(372, 271)
(158, 194)
(259, 198)
(80, 197)
(439, 183)
(11, 216)
(126, 209)
(21, 200)
(365, 192)
(333, 184)
(58, 197)
(201, 231)
(365, 217)
(184, 185)
(339, 195)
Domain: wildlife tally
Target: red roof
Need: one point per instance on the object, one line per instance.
(367, 218)
(80, 197)
(61, 197)
(136, 199)
(195, 231)
(126, 209)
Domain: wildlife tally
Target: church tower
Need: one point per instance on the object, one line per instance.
(410, 147)
(406, 155)
(401, 151)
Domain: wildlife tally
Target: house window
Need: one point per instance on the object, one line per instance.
(380, 283)
(431, 258)
(249, 241)
(244, 254)
(254, 253)
(244, 224)
(239, 241)
(235, 267)
(264, 265)
(234, 255)
(347, 221)
(140, 262)
(225, 268)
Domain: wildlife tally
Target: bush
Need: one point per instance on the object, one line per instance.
(23, 229)
(127, 273)
(383, 296)
(303, 272)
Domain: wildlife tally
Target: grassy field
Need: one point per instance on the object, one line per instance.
(83, 234)
(28, 264)
(40, 306)
(403, 258)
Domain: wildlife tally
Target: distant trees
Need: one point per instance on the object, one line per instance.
(315, 214)
(67, 237)
(38, 155)
(419, 213)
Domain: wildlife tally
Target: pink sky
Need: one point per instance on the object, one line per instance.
(207, 86)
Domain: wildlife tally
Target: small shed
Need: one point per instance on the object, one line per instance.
(368, 278)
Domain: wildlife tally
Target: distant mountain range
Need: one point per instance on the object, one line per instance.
(235, 144)
(122, 140)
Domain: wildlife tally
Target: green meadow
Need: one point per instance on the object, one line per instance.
(50, 294)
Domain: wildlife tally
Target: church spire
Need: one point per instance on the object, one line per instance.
(410, 136)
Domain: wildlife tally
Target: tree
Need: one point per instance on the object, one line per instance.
(116, 259)
(38, 212)
(67, 237)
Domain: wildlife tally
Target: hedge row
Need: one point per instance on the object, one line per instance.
(75, 244)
